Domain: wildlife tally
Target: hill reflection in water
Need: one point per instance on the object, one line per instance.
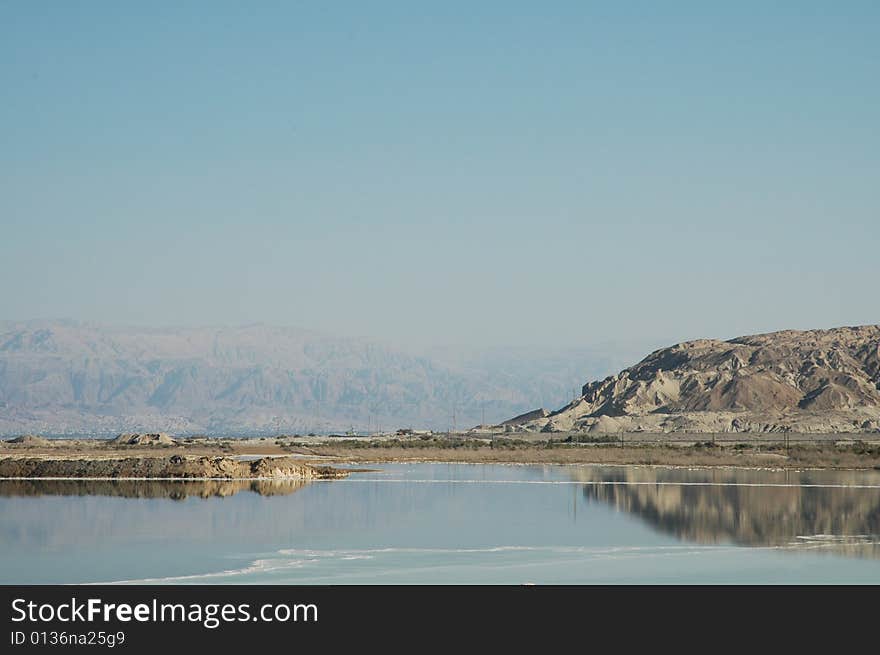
(826, 511)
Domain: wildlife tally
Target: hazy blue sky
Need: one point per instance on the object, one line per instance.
(474, 172)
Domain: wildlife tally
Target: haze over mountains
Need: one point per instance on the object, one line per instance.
(64, 377)
(802, 381)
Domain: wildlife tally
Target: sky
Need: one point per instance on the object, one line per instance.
(479, 173)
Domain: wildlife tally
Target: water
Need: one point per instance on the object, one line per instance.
(439, 523)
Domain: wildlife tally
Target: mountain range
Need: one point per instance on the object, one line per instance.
(66, 377)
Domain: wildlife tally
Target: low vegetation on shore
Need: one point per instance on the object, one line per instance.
(829, 454)
(308, 457)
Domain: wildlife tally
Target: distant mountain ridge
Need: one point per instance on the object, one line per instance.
(803, 381)
(65, 377)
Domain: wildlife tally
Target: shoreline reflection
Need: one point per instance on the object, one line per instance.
(170, 489)
(720, 506)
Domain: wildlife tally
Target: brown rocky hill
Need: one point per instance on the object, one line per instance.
(800, 381)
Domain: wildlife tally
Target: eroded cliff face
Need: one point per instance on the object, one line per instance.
(281, 468)
(802, 381)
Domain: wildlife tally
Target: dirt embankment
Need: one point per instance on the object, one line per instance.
(175, 466)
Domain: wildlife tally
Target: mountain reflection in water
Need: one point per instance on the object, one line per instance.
(171, 489)
(833, 511)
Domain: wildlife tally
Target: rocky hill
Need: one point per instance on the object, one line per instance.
(63, 377)
(800, 381)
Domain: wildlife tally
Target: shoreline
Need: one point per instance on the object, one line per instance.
(683, 467)
(772, 457)
(175, 467)
(313, 458)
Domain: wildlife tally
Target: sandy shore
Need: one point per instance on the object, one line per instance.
(104, 459)
(308, 457)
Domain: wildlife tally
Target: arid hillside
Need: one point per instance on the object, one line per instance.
(799, 381)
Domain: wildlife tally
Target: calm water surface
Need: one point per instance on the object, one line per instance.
(439, 523)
